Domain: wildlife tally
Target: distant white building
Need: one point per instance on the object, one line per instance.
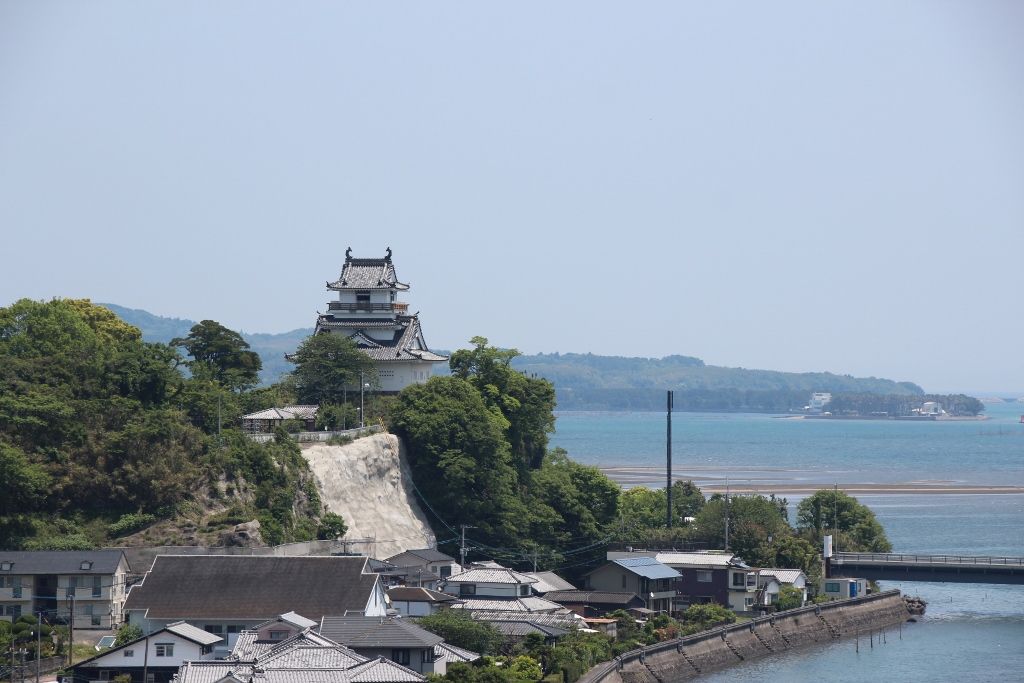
(369, 313)
(931, 408)
(818, 401)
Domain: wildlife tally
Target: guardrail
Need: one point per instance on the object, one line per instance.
(905, 558)
(314, 437)
(598, 673)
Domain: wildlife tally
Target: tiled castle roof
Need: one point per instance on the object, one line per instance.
(406, 344)
(367, 273)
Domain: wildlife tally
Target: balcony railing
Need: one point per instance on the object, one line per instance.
(362, 307)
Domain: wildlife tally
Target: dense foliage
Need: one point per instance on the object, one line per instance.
(103, 435)
(477, 443)
(898, 405)
(853, 525)
(458, 628)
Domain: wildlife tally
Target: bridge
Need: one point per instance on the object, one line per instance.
(943, 568)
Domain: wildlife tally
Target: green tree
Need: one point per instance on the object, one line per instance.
(126, 634)
(460, 460)
(853, 524)
(332, 526)
(328, 367)
(461, 630)
(790, 597)
(25, 482)
(755, 523)
(702, 617)
(527, 403)
(643, 508)
(221, 354)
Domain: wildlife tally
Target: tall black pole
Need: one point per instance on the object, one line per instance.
(668, 463)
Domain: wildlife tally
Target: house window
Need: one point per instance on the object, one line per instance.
(72, 585)
(233, 628)
(739, 580)
(165, 649)
(206, 649)
(623, 580)
(400, 656)
(467, 589)
(703, 576)
(278, 635)
(6, 566)
(748, 602)
(832, 587)
(129, 653)
(429, 655)
(524, 591)
(97, 589)
(215, 629)
(14, 611)
(95, 620)
(88, 610)
(446, 571)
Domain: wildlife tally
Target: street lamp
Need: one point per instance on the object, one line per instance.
(362, 385)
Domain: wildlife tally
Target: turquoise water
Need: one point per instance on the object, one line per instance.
(971, 631)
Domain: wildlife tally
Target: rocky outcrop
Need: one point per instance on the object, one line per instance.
(367, 482)
(245, 535)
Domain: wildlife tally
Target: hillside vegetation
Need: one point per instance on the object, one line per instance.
(103, 438)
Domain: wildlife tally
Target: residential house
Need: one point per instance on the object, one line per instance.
(652, 581)
(518, 625)
(394, 638)
(707, 576)
(423, 567)
(270, 419)
(841, 589)
(410, 601)
(227, 594)
(496, 588)
(785, 577)
(306, 656)
(153, 658)
(592, 603)
(87, 586)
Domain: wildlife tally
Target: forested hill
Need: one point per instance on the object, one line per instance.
(590, 382)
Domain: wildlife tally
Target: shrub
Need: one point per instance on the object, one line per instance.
(130, 522)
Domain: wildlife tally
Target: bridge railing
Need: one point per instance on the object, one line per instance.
(913, 558)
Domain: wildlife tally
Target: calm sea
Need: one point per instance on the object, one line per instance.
(971, 632)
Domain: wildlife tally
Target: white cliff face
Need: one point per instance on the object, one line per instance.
(367, 482)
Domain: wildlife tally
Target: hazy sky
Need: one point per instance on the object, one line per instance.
(796, 186)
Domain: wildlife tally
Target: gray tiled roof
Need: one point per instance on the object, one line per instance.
(407, 342)
(251, 587)
(565, 620)
(452, 653)
(491, 575)
(285, 413)
(61, 562)
(529, 604)
(549, 581)
(416, 557)
(247, 647)
(368, 273)
(193, 633)
(525, 628)
(382, 670)
(575, 597)
(376, 632)
(783, 575)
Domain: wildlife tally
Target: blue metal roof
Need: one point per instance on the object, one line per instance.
(648, 567)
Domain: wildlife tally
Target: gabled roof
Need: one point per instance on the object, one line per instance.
(647, 567)
(252, 587)
(247, 647)
(549, 581)
(298, 412)
(382, 670)
(367, 273)
(405, 344)
(411, 558)
(452, 653)
(491, 575)
(85, 562)
(527, 604)
(577, 597)
(784, 575)
(417, 594)
(564, 620)
(377, 632)
(180, 629)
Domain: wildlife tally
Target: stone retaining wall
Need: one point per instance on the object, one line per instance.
(686, 658)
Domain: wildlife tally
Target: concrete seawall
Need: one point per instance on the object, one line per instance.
(686, 658)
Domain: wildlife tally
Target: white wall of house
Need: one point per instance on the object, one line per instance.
(152, 651)
(417, 659)
(413, 608)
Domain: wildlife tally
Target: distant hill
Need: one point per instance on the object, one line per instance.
(271, 347)
(584, 381)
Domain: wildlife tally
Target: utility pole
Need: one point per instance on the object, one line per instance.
(462, 547)
(534, 560)
(835, 517)
(727, 513)
(71, 632)
(362, 417)
(668, 462)
(39, 640)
